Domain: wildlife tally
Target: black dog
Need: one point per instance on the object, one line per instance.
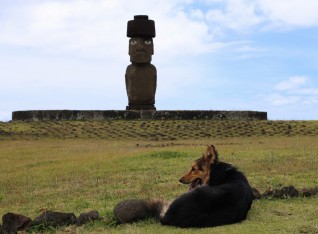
(219, 194)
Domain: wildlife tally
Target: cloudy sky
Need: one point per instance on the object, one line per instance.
(210, 55)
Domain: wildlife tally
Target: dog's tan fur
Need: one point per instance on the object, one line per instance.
(200, 168)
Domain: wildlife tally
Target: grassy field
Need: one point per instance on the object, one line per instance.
(82, 165)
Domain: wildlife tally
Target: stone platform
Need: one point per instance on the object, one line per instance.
(53, 115)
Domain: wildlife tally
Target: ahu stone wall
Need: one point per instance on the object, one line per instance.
(53, 115)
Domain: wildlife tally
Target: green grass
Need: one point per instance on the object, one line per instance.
(50, 166)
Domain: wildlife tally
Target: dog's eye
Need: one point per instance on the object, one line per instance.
(193, 169)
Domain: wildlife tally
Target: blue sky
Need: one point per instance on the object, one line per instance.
(210, 55)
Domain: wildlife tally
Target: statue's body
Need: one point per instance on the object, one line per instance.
(141, 75)
(141, 83)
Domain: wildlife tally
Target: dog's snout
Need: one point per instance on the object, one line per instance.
(181, 180)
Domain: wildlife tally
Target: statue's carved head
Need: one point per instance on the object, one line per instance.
(140, 49)
(141, 30)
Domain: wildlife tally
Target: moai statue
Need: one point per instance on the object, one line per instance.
(141, 75)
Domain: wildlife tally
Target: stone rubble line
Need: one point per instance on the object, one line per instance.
(11, 223)
(285, 192)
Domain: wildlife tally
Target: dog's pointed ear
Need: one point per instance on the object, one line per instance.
(211, 154)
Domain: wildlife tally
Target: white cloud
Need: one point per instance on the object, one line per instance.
(88, 28)
(280, 100)
(237, 15)
(307, 91)
(294, 91)
(291, 13)
(97, 28)
(197, 14)
(247, 15)
(292, 83)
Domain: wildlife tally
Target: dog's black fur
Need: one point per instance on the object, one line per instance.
(226, 199)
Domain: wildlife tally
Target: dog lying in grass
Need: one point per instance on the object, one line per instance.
(218, 194)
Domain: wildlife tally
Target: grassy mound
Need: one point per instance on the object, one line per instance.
(155, 129)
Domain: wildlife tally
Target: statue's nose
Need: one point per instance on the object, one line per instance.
(140, 47)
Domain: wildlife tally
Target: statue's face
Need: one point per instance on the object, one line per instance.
(140, 49)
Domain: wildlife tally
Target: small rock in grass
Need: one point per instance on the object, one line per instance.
(11, 223)
(307, 192)
(284, 192)
(288, 191)
(86, 217)
(55, 219)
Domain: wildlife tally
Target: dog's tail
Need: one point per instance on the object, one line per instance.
(132, 210)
